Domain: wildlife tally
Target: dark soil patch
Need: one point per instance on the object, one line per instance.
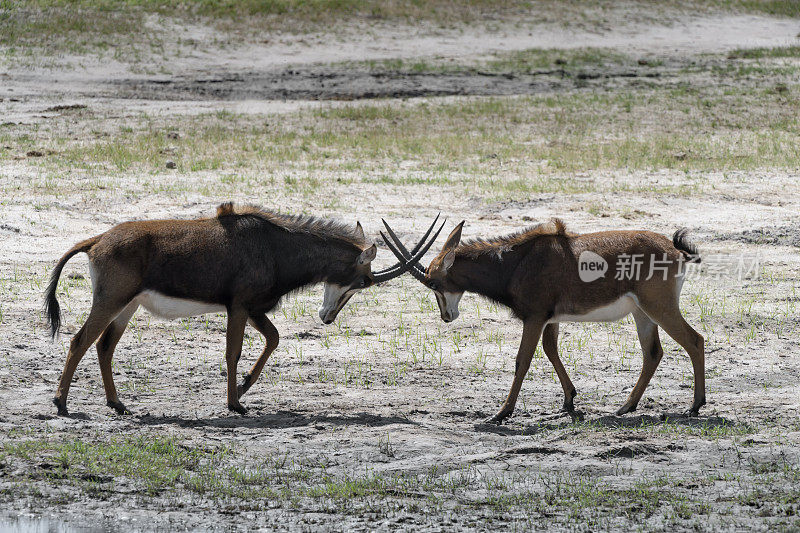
(777, 236)
(328, 83)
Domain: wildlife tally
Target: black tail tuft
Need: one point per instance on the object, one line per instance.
(687, 247)
(51, 306)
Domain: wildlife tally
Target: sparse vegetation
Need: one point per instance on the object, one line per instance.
(375, 421)
(760, 53)
(543, 138)
(163, 468)
(131, 29)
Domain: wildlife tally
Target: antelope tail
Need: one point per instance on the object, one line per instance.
(51, 306)
(685, 246)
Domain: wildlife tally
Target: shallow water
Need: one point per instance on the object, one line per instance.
(41, 524)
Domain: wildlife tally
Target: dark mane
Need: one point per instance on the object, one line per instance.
(499, 245)
(324, 229)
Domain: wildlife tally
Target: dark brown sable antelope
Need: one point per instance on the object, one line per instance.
(536, 273)
(243, 261)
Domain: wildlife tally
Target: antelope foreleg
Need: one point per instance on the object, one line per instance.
(237, 320)
(531, 331)
(550, 346)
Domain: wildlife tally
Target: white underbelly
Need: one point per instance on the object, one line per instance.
(165, 306)
(608, 313)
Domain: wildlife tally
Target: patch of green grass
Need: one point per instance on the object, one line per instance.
(163, 467)
(30, 30)
(526, 61)
(155, 463)
(589, 499)
(515, 62)
(126, 28)
(488, 141)
(760, 53)
(322, 11)
(779, 8)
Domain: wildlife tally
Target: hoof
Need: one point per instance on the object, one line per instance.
(577, 416)
(119, 407)
(569, 403)
(62, 409)
(237, 408)
(694, 410)
(498, 418)
(625, 409)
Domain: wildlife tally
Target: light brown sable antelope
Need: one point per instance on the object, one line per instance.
(243, 261)
(537, 274)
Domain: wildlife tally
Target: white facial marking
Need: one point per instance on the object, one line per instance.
(448, 304)
(334, 298)
(165, 306)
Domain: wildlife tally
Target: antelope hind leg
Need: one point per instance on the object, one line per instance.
(671, 321)
(267, 329)
(105, 352)
(652, 353)
(99, 317)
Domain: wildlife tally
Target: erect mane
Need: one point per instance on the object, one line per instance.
(499, 245)
(324, 229)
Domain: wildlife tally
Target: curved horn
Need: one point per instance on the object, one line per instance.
(410, 261)
(419, 255)
(392, 271)
(406, 264)
(420, 243)
(400, 267)
(402, 253)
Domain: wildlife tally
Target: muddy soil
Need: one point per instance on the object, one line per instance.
(325, 83)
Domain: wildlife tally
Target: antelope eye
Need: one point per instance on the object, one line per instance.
(434, 286)
(362, 283)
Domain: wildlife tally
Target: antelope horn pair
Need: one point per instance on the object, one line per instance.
(410, 260)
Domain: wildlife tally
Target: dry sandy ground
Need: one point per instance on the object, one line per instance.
(391, 393)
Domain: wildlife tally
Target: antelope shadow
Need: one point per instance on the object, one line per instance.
(275, 420)
(611, 421)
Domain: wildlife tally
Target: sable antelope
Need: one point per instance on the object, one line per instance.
(243, 261)
(536, 274)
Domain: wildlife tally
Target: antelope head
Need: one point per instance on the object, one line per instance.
(357, 275)
(437, 276)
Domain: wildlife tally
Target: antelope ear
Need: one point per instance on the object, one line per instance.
(360, 231)
(448, 260)
(368, 255)
(454, 238)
